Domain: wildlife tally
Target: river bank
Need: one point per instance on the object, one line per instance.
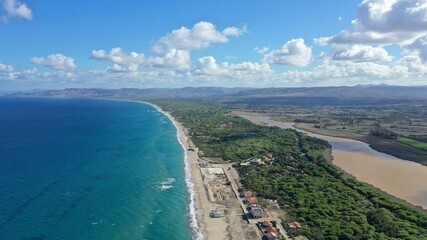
(400, 178)
(396, 149)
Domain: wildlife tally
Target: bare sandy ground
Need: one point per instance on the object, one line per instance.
(211, 228)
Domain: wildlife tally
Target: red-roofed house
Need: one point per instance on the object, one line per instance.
(271, 236)
(266, 223)
(271, 229)
(294, 225)
(247, 194)
(250, 200)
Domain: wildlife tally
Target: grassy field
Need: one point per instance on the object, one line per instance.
(413, 143)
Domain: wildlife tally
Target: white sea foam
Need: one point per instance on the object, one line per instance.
(165, 187)
(167, 181)
(197, 235)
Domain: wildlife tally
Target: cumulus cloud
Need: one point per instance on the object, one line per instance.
(173, 58)
(292, 53)
(208, 66)
(124, 62)
(419, 47)
(384, 21)
(360, 53)
(16, 9)
(55, 61)
(344, 73)
(116, 55)
(5, 68)
(201, 35)
(132, 67)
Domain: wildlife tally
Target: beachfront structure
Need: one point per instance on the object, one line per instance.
(271, 236)
(215, 214)
(250, 200)
(294, 225)
(267, 224)
(257, 212)
(247, 194)
(271, 229)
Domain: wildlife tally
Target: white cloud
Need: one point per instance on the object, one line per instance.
(55, 61)
(292, 53)
(419, 47)
(5, 68)
(173, 58)
(360, 53)
(132, 67)
(124, 62)
(201, 35)
(16, 9)
(234, 31)
(244, 70)
(116, 55)
(262, 50)
(384, 21)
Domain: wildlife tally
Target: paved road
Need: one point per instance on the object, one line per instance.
(227, 170)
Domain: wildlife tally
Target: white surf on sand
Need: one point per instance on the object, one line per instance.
(197, 235)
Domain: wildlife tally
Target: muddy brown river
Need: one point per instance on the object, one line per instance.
(401, 178)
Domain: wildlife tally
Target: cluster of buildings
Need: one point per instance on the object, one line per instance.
(268, 229)
(255, 210)
(263, 160)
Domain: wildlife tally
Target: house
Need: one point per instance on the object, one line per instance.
(257, 212)
(247, 194)
(294, 225)
(271, 236)
(250, 200)
(215, 214)
(266, 224)
(271, 229)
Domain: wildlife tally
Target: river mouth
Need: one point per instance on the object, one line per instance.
(401, 178)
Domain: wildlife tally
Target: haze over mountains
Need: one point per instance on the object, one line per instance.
(281, 95)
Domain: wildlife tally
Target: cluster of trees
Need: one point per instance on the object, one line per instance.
(383, 132)
(220, 135)
(316, 193)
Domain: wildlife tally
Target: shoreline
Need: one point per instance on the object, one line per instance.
(203, 226)
(194, 205)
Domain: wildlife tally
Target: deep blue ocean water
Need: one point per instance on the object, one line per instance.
(90, 169)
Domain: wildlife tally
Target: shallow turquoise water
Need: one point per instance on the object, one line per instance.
(90, 169)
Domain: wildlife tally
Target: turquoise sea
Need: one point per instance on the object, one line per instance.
(90, 169)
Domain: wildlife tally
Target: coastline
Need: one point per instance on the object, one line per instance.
(203, 226)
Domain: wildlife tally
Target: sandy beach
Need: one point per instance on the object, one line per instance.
(232, 225)
(211, 228)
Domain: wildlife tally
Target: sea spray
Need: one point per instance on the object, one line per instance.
(197, 235)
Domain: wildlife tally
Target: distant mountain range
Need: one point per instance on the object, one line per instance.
(233, 94)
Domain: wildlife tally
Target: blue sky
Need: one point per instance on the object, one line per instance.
(113, 44)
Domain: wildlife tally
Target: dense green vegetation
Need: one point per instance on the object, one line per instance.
(383, 132)
(413, 143)
(312, 191)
